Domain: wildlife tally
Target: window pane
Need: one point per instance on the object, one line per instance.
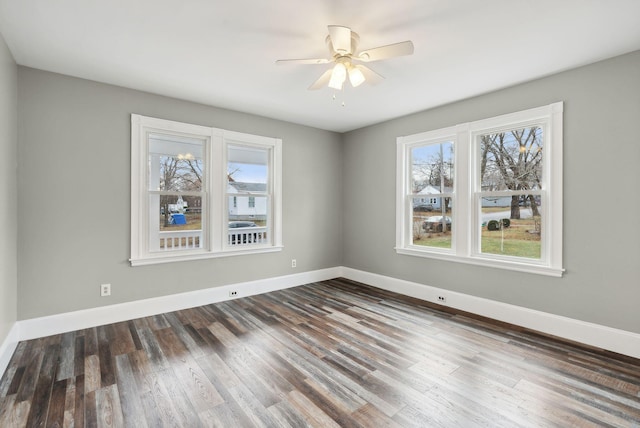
(248, 165)
(432, 222)
(248, 224)
(247, 175)
(511, 160)
(175, 163)
(511, 226)
(432, 168)
(176, 223)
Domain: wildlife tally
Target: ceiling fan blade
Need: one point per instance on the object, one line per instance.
(340, 39)
(322, 81)
(388, 51)
(370, 76)
(303, 61)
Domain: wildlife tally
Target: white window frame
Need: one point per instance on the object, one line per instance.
(466, 215)
(215, 226)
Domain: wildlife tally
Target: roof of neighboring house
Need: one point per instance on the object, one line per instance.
(247, 187)
(429, 190)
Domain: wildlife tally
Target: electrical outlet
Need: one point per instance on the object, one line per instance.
(233, 293)
(442, 299)
(293, 263)
(105, 290)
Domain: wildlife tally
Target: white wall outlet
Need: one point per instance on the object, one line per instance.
(293, 263)
(442, 299)
(233, 294)
(105, 290)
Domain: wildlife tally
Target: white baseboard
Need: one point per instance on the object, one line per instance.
(620, 341)
(8, 347)
(70, 321)
(599, 336)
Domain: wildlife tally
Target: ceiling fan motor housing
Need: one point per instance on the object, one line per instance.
(355, 41)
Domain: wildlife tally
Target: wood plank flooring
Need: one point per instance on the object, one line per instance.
(327, 354)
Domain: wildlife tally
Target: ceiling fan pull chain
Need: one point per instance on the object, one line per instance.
(335, 98)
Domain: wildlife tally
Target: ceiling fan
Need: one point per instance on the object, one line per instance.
(343, 47)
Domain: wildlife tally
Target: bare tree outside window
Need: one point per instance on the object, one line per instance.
(512, 160)
(433, 167)
(180, 173)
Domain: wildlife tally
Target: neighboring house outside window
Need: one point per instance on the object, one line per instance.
(494, 190)
(182, 174)
(247, 207)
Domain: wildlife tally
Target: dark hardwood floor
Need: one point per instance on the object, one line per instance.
(327, 354)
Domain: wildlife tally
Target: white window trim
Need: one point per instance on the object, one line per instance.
(215, 200)
(464, 246)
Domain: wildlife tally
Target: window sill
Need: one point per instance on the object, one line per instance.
(537, 269)
(170, 258)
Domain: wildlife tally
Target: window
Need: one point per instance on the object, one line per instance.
(191, 188)
(431, 173)
(494, 191)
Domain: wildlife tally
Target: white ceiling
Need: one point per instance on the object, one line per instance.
(223, 53)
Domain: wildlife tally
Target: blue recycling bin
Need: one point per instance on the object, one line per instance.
(177, 219)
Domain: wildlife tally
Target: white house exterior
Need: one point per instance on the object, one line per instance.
(246, 206)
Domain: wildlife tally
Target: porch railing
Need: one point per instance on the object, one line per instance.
(247, 236)
(192, 239)
(180, 240)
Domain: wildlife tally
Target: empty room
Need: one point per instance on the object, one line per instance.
(319, 214)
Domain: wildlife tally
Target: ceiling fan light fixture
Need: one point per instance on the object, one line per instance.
(355, 76)
(343, 49)
(338, 76)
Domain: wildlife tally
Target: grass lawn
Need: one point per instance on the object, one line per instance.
(439, 240)
(511, 247)
(516, 240)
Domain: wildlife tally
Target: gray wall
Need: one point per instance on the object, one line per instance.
(74, 203)
(74, 197)
(601, 178)
(8, 189)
